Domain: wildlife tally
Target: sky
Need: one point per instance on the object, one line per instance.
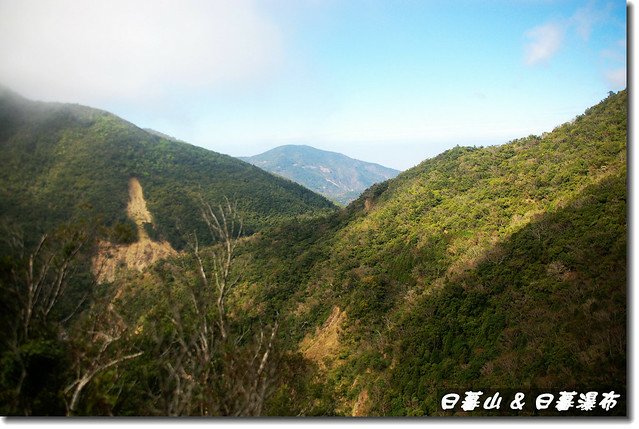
(391, 82)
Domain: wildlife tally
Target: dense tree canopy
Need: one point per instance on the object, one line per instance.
(502, 266)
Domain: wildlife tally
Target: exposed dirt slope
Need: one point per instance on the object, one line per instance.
(138, 255)
(324, 344)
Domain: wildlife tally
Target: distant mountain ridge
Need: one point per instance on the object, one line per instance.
(334, 175)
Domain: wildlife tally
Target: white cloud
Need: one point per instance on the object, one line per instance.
(85, 51)
(616, 52)
(545, 41)
(615, 57)
(584, 19)
(613, 54)
(617, 78)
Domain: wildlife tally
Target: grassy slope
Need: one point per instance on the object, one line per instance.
(481, 266)
(67, 160)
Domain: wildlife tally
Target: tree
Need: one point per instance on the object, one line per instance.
(209, 368)
(99, 344)
(34, 281)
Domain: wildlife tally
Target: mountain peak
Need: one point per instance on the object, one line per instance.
(332, 174)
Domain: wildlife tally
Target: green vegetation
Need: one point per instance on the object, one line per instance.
(62, 161)
(500, 267)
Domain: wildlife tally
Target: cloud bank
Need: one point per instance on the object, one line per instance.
(86, 51)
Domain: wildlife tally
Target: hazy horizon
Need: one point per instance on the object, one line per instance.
(386, 82)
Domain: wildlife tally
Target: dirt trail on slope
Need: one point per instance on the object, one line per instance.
(362, 404)
(135, 256)
(323, 347)
(324, 344)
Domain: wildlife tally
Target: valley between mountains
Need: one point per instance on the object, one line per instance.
(141, 275)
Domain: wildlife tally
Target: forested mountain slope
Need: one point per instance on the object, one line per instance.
(62, 161)
(501, 267)
(493, 267)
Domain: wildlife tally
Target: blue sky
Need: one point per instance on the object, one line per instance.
(392, 82)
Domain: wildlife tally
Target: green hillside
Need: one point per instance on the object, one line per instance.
(63, 161)
(483, 268)
(493, 267)
(336, 176)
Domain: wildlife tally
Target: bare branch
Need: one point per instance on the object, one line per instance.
(79, 384)
(208, 368)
